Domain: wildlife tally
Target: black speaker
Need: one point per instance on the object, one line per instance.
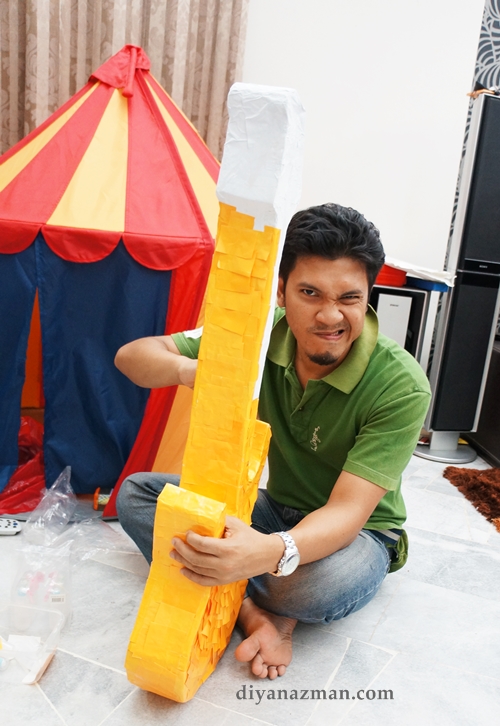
(471, 318)
(481, 232)
(470, 310)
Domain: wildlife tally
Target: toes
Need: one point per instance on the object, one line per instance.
(262, 670)
(247, 649)
(259, 668)
(275, 671)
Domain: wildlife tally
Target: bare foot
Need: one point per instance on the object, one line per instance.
(268, 644)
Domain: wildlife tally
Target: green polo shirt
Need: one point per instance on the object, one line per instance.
(364, 417)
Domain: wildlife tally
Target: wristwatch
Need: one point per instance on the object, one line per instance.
(291, 557)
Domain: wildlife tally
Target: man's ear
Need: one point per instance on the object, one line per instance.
(281, 293)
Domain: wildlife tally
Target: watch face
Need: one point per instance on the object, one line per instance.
(290, 565)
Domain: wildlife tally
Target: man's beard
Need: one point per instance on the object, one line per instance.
(322, 359)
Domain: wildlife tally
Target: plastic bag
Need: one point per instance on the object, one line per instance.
(26, 486)
(25, 489)
(88, 538)
(26, 651)
(30, 439)
(54, 548)
(50, 525)
(43, 580)
(53, 513)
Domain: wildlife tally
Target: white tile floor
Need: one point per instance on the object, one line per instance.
(431, 636)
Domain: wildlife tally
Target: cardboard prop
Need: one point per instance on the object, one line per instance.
(183, 628)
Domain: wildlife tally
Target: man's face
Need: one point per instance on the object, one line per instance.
(326, 302)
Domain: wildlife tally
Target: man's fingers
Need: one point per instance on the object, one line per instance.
(187, 549)
(213, 545)
(188, 556)
(206, 579)
(199, 569)
(208, 545)
(200, 579)
(222, 560)
(233, 523)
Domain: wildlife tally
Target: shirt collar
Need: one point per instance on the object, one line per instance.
(349, 373)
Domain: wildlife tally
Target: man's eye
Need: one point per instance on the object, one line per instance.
(309, 293)
(351, 298)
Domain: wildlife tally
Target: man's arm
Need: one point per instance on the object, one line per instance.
(244, 552)
(156, 362)
(338, 523)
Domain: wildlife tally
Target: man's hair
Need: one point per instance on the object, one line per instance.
(332, 231)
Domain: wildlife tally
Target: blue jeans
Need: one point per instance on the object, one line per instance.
(317, 592)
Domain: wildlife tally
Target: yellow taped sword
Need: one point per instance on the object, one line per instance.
(183, 628)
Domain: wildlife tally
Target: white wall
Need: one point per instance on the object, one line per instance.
(384, 84)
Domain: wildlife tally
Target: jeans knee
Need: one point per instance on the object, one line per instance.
(123, 501)
(327, 589)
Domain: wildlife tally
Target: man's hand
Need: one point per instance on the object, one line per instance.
(242, 553)
(187, 371)
(156, 362)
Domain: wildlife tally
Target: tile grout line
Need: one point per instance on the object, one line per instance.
(382, 614)
(336, 670)
(366, 689)
(467, 520)
(444, 534)
(118, 706)
(467, 517)
(230, 710)
(445, 588)
(464, 503)
(116, 567)
(50, 703)
(462, 670)
(104, 553)
(379, 647)
(332, 675)
(460, 541)
(94, 662)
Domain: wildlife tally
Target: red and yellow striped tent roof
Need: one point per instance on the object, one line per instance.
(123, 163)
(119, 161)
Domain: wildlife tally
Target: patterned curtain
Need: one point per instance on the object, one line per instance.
(486, 73)
(488, 53)
(48, 49)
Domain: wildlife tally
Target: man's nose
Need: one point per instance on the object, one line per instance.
(329, 314)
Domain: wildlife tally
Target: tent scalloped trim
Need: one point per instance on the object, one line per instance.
(160, 253)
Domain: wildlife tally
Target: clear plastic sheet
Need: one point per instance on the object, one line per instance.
(54, 546)
(54, 512)
(56, 540)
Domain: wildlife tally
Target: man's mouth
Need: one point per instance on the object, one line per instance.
(330, 335)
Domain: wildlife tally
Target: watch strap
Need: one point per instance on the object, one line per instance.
(290, 550)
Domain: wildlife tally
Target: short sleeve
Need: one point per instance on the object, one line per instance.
(188, 342)
(385, 443)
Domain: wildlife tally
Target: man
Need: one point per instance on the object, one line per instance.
(345, 406)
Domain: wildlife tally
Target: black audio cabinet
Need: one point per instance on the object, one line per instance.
(469, 311)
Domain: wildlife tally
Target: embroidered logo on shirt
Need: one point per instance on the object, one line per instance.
(315, 439)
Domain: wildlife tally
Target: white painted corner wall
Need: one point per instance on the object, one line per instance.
(384, 85)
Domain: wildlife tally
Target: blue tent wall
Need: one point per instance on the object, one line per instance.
(17, 296)
(87, 311)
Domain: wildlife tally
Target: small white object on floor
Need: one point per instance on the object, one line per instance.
(36, 657)
(9, 526)
(24, 643)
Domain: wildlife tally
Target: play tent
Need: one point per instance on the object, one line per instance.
(108, 209)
